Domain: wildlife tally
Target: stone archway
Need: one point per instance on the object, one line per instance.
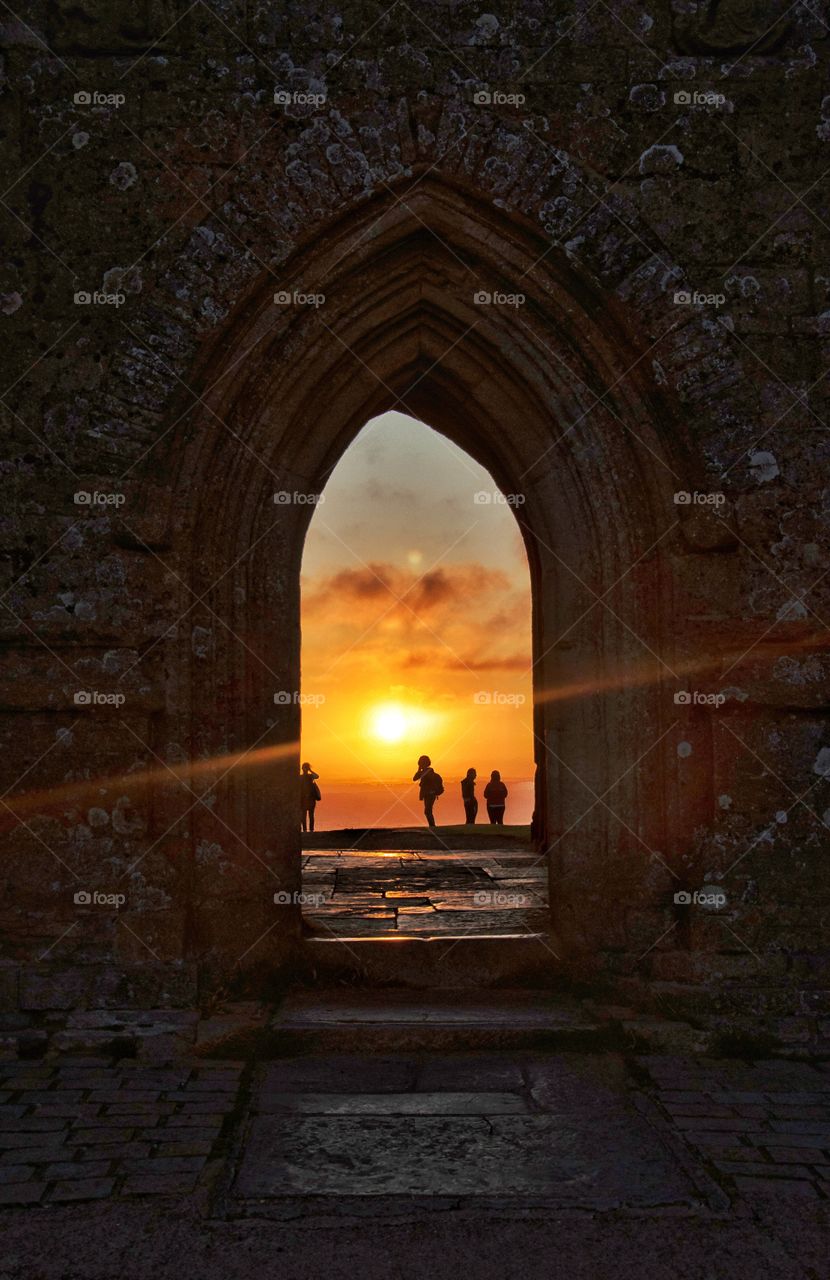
(556, 400)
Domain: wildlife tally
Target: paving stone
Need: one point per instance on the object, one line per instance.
(195, 1122)
(745, 1167)
(815, 1127)
(77, 1169)
(15, 1173)
(338, 1073)
(51, 1097)
(206, 1101)
(200, 1148)
(165, 1164)
(471, 1071)
(719, 1124)
(84, 1189)
(135, 1149)
(100, 1137)
(162, 1184)
(29, 1138)
(35, 1155)
(771, 1140)
(28, 1124)
(112, 1096)
(798, 1155)
(21, 1192)
(182, 1135)
(108, 1120)
(80, 1111)
(777, 1187)
(598, 1164)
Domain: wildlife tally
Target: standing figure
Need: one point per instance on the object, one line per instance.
(495, 793)
(432, 786)
(309, 795)
(468, 795)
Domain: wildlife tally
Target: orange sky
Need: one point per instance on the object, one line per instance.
(415, 621)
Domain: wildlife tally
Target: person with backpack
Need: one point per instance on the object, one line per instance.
(495, 793)
(432, 786)
(468, 795)
(309, 795)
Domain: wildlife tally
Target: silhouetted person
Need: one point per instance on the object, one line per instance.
(309, 795)
(468, 795)
(432, 786)
(495, 793)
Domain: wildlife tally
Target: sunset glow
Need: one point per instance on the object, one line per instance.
(415, 629)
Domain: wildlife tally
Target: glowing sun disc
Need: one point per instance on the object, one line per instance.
(389, 723)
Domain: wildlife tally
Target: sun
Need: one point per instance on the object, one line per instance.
(389, 722)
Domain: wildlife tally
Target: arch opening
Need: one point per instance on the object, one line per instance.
(553, 405)
(417, 639)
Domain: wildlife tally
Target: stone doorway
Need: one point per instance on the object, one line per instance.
(401, 327)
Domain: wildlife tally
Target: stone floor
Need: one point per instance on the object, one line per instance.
(521, 1158)
(425, 894)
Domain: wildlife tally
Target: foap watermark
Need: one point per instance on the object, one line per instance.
(500, 898)
(94, 98)
(694, 698)
(293, 497)
(298, 98)
(696, 298)
(296, 298)
(84, 298)
(498, 98)
(283, 898)
(95, 698)
(289, 697)
(695, 498)
(699, 98)
(94, 898)
(495, 498)
(95, 498)
(494, 698)
(711, 897)
(484, 298)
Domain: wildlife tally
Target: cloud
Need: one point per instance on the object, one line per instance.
(463, 585)
(470, 662)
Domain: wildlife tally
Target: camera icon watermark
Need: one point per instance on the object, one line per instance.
(694, 698)
(484, 298)
(689, 298)
(288, 498)
(498, 98)
(283, 898)
(85, 298)
(499, 898)
(94, 698)
(699, 98)
(495, 698)
(297, 298)
(92, 98)
(93, 498)
(495, 497)
(298, 98)
(711, 897)
(695, 498)
(85, 898)
(293, 697)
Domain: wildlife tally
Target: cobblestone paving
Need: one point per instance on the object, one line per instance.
(765, 1127)
(83, 1130)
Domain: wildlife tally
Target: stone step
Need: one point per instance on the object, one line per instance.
(400, 1020)
(440, 962)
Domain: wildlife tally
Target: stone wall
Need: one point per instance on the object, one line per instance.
(651, 180)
